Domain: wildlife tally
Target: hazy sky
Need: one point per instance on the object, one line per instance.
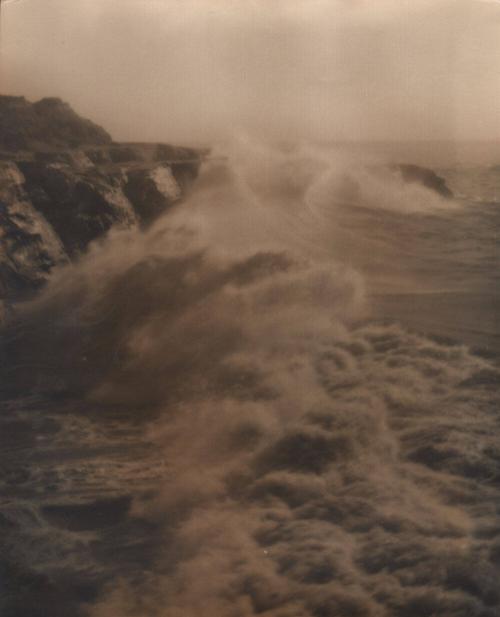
(197, 70)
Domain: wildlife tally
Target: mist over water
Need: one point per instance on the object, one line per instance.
(194, 71)
(278, 447)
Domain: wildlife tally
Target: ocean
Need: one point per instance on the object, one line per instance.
(280, 399)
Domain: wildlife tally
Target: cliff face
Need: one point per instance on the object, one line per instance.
(64, 183)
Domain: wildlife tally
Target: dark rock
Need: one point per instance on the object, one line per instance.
(167, 152)
(124, 154)
(426, 177)
(79, 209)
(56, 156)
(143, 193)
(98, 156)
(29, 248)
(64, 184)
(49, 122)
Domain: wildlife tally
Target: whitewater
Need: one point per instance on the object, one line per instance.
(280, 399)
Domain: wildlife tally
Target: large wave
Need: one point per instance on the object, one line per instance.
(316, 462)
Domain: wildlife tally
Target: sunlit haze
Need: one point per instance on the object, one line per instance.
(200, 70)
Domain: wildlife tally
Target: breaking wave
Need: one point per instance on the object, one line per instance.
(316, 462)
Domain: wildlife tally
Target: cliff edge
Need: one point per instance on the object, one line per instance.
(65, 183)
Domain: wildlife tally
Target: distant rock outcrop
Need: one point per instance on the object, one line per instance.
(65, 183)
(426, 177)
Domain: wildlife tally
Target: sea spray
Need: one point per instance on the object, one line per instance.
(314, 461)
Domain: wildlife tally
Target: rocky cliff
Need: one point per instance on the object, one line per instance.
(64, 183)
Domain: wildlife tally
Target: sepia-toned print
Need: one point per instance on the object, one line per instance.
(249, 308)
